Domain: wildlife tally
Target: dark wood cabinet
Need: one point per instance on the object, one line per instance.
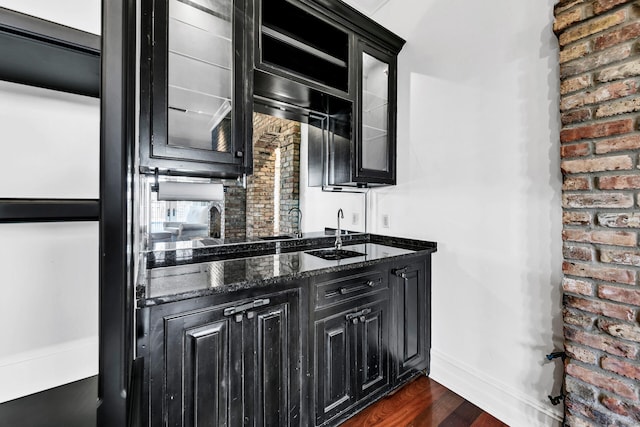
(411, 284)
(307, 352)
(227, 365)
(375, 123)
(351, 341)
(195, 91)
(352, 359)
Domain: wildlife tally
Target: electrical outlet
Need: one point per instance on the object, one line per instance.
(355, 218)
(385, 221)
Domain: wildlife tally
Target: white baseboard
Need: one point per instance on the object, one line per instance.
(509, 406)
(30, 372)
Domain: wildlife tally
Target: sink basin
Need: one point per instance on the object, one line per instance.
(335, 254)
(283, 237)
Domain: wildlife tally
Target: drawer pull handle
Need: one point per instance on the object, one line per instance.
(372, 283)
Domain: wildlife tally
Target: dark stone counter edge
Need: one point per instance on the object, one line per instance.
(242, 285)
(235, 251)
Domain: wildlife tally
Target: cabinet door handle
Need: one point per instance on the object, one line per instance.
(400, 272)
(239, 309)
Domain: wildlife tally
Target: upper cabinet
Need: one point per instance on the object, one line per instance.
(206, 65)
(194, 92)
(296, 42)
(375, 153)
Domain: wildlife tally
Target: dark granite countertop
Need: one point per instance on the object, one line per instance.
(230, 269)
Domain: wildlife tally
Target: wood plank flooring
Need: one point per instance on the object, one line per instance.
(423, 403)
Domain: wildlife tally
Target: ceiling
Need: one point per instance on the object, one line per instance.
(368, 7)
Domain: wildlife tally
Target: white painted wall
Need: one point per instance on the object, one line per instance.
(48, 272)
(479, 173)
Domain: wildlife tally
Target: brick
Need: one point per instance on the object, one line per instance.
(619, 182)
(578, 318)
(576, 116)
(577, 218)
(598, 164)
(620, 257)
(576, 286)
(575, 52)
(565, 19)
(579, 253)
(575, 84)
(574, 406)
(621, 367)
(575, 150)
(619, 220)
(598, 200)
(596, 60)
(580, 353)
(579, 389)
(606, 382)
(601, 6)
(592, 26)
(620, 330)
(573, 421)
(618, 238)
(620, 35)
(620, 407)
(598, 130)
(604, 93)
(563, 5)
(602, 308)
(622, 71)
(576, 183)
(620, 107)
(627, 142)
(614, 293)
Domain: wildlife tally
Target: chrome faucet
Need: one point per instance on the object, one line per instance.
(338, 243)
(299, 233)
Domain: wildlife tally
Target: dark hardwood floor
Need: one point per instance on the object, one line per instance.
(423, 403)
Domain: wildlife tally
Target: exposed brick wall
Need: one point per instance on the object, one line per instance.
(235, 223)
(600, 148)
(270, 134)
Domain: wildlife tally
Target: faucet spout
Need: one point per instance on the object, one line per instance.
(338, 244)
(299, 233)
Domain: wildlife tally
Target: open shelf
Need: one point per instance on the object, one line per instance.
(41, 53)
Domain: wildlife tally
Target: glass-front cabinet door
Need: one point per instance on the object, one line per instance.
(376, 136)
(193, 117)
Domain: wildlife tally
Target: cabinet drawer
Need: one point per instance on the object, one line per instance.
(339, 289)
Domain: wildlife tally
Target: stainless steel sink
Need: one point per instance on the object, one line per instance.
(335, 254)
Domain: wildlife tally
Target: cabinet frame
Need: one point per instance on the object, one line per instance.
(361, 174)
(155, 151)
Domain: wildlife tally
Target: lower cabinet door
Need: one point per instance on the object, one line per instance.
(411, 284)
(335, 365)
(234, 365)
(202, 371)
(373, 349)
(273, 361)
(352, 357)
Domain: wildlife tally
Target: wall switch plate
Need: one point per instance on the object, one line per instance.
(355, 218)
(385, 221)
